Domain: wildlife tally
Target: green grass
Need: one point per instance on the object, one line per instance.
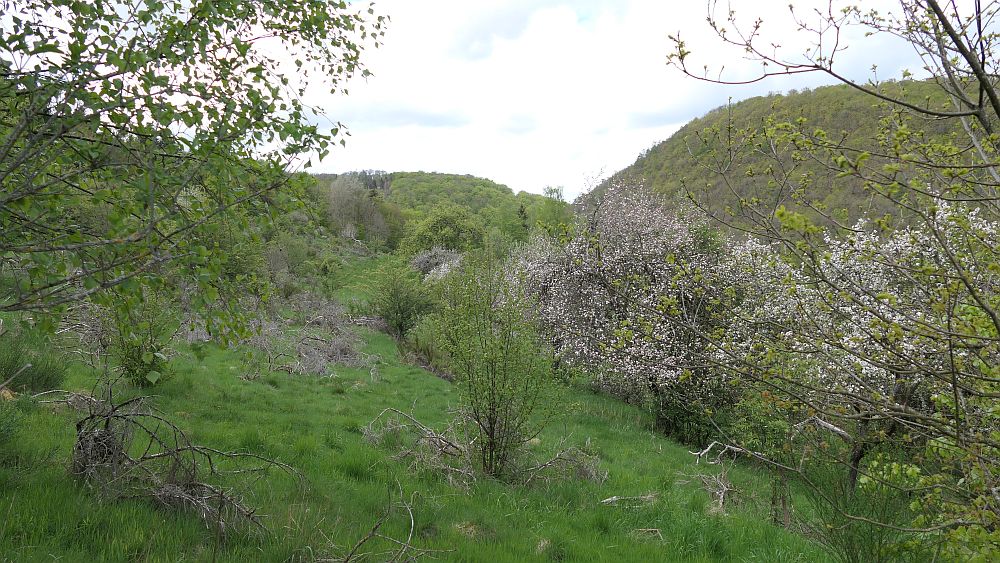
(314, 425)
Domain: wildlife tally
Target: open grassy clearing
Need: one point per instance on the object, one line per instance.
(314, 424)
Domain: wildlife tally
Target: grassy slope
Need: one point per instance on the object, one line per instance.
(314, 424)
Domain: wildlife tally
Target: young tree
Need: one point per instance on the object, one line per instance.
(893, 324)
(502, 368)
(127, 128)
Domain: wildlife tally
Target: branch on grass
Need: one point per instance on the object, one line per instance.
(642, 499)
(127, 450)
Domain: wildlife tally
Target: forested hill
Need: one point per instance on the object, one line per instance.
(425, 190)
(376, 206)
(685, 161)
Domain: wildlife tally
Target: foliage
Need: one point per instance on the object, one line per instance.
(495, 354)
(399, 297)
(447, 226)
(677, 165)
(129, 129)
(493, 205)
(141, 328)
(628, 296)
(883, 333)
(356, 208)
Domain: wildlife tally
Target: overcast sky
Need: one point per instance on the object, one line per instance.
(533, 93)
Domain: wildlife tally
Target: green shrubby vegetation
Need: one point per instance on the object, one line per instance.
(415, 211)
(399, 297)
(490, 339)
(835, 378)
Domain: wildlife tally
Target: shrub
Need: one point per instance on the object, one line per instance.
(857, 524)
(424, 342)
(503, 369)
(141, 329)
(399, 298)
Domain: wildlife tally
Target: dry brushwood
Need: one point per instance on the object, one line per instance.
(315, 354)
(567, 463)
(423, 446)
(375, 545)
(76, 401)
(719, 487)
(312, 309)
(128, 450)
(448, 454)
(85, 320)
(631, 501)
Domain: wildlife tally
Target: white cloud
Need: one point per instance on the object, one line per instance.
(544, 92)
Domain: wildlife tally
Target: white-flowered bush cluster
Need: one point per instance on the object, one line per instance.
(894, 320)
(635, 295)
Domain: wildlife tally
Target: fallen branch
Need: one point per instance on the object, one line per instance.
(642, 499)
(73, 400)
(719, 487)
(401, 550)
(582, 464)
(127, 450)
(16, 373)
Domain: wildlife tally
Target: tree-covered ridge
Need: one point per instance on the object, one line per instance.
(681, 165)
(375, 207)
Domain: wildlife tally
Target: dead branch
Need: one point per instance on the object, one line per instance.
(128, 450)
(73, 400)
(647, 498)
(16, 373)
(820, 423)
(651, 532)
(399, 549)
(718, 486)
(568, 462)
(725, 449)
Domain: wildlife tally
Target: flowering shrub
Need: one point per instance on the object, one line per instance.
(632, 296)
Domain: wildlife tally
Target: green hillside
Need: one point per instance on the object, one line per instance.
(685, 163)
(377, 206)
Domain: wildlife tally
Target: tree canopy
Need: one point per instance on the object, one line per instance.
(128, 130)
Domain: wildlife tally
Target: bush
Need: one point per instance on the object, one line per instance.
(503, 370)
(45, 370)
(856, 524)
(399, 298)
(141, 329)
(424, 342)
